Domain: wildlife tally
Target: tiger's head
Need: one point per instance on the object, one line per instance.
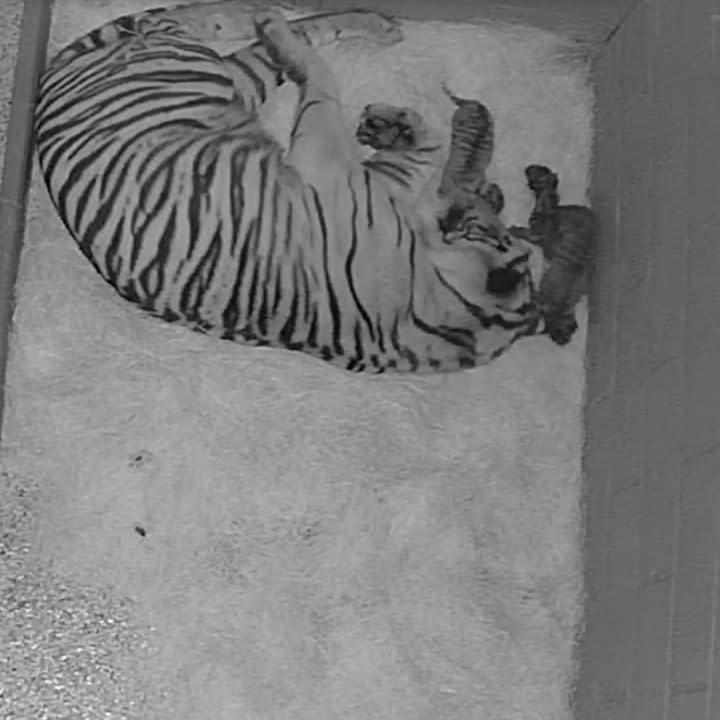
(483, 259)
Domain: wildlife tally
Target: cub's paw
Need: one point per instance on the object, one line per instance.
(540, 178)
(561, 327)
(388, 127)
(282, 44)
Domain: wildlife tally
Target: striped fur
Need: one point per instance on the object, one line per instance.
(161, 170)
(471, 148)
(463, 186)
(568, 237)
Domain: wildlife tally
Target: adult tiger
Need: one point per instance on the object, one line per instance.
(158, 165)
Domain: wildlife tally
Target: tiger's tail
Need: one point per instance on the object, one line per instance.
(229, 21)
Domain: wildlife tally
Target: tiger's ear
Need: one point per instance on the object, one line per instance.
(451, 219)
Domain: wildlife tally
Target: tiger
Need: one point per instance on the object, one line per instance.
(158, 164)
(471, 148)
(568, 236)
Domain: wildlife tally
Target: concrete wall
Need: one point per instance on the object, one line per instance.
(652, 460)
(23, 35)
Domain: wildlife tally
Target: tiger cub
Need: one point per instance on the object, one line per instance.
(467, 198)
(568, 236)
(471, 147)
(463, 179)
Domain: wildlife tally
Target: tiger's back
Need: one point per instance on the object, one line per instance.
(153, 110)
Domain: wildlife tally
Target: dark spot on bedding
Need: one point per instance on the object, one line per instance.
(140, 458)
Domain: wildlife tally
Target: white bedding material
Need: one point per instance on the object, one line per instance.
(316, 544)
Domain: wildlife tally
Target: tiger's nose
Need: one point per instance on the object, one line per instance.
(503, 281)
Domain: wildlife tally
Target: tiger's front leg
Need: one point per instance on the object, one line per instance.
(319, 136)
(408, 150)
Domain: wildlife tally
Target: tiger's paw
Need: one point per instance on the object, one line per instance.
(282, 44)
(388, 127)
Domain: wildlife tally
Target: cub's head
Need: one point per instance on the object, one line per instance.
(541, 179)
(459, 205)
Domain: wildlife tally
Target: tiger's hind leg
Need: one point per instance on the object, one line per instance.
(319, 137)
(256, 74)
(408, 150)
